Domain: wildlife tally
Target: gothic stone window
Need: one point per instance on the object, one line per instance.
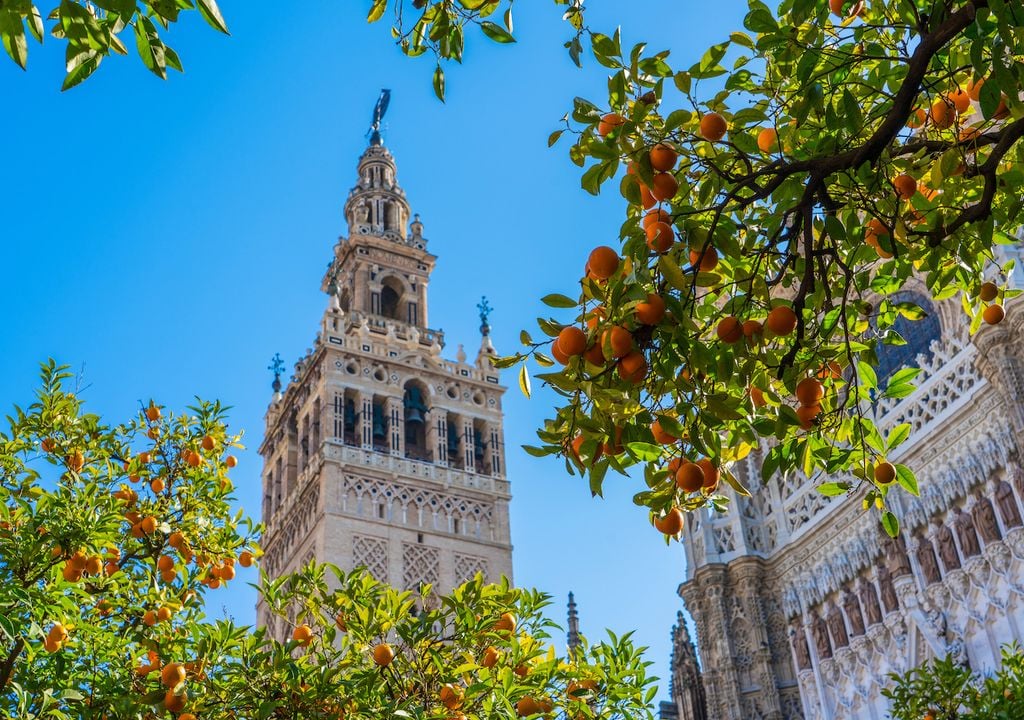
(917, 333)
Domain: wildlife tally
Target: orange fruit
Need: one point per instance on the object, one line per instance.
(557, 354)
(705, 260)
(809, 391)
(94, 565)
(661, 436)
(172, 675)
(618, 339)
(988, 291)
(149, 618)
(595, 355)
(663, 157)
(572, 341)
(230, 461)
(148, 525)
(942, 113)
(157, 485)
(961, 100)
(506, 623)
(651, 311)
(110, 568)
(609, 122)
(836, 6)
(303, 634)
(885, 473)
(227, 572)
(176, 540)
(647, 200)
(58, 632)
(383, 654)
(729, 330)
(659, 237)
(752, 329)
(807, 414)
(603, 262)
(757, 397)
(490, 657)
(781, 320)
(144, 458)
(917, 118)
(174, 702)
(75, 461)
(193, 459)
(905, 186)
(451, 696)
(711, 474)
(48, 444)
(163, 614)
(208, 443)
(633, 367)
(527, 706)
(664, 186)
(768, 140)
(690, 477)
(713, 127)
(168, 576)
(152, 413)
(671, 524)
(657, 215)
(341, 622)
(993, 314)
(51, 645)
(974, 88)
(245, 558)
(830, 369)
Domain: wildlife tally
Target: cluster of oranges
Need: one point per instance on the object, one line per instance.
(79, 565)
(55, 638)
(993, 312)
(172, 677)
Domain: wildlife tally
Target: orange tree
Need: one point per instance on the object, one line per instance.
(111, 539)
(780, 193)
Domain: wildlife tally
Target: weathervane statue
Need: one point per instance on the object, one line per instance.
(378, 115)
(485, 312)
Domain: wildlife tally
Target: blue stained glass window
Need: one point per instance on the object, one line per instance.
(918, 334)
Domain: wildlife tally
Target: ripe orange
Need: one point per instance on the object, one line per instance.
(227, 572)
(659, 237)
(729, 330)
(48, 444)
(245, 558)
(705, 259)
(148, 525)
(94, 565)
(230, 461)
(993, 314)
(664, 186)
(341, 622)
(572, 341)
(807, 414)
(51, 645)
(157, 485)
(522, 670)
(752, 330)
(974, 88)
(208, 443)
(942, 113)
(176, 540)
(75, 461)
(451, 696)
(663, 157)
(651, 311)
(595, 355)
(110, 568)
(175, 702)
(830, 369)
(689, 477)
(603, 262)
(558, 354)
(172, 675)
(662, 436)
(781, 320)
(193, 459)
(168, 576)
(58, 632)
(836, 6)
(383, 654)
(303, 634)
(490, 658)
(768, 140)
(711, 474)
(609, 122)
(149, 618)
(527, 706)
(657, 215)
(163, 614)
(713, 127)
(809, 391)
(961, 100)
(633, 367)
(144, 458)
(618, 339)
(988, 291)
(757, 397)
(506, 623)
(671, 524)
(186, 716)
(885, 473)
(905, 186)
(647, 200)
(152, 413)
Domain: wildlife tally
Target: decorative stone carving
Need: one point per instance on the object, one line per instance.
(837, 627)
(984, 516)
(896, 556)
(926, 560)
(889, 598)
(869, 601)
(852, 608)
(798, 638)
(966, 532)
(947, 548)
(1007, 503)
(821, 641)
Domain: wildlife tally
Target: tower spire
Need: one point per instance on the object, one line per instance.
(487, 350)
(378, 116)
(573, 636)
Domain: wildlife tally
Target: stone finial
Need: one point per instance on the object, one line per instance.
(573, 636)
(276, 367)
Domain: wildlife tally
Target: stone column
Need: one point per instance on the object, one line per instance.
(395, 413)
(366, 419)
(466, 443)
(437, 437)
(497, 449)
(1000, 361)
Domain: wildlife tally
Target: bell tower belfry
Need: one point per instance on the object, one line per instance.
(380, 452)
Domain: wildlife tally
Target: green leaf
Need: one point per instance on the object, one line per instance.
(556, 300)
(439, 82)
(12, 30)
(553, 137)
(831, 489)
(897, 436)
(890, 524)
(907, 480)
(81, 69)
(644, 451)
(211, 13)
(538, 452)
(377, 10)
(524, 381)
(496, 32)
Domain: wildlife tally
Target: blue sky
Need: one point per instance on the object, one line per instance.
(169, 238)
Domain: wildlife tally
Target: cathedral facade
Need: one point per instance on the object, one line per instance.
(803, 608)
(380, 452)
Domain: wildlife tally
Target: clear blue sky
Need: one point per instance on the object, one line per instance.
(171, 236)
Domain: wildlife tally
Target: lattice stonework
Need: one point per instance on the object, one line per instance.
(371, 553)
(467, 566)
(420, 565)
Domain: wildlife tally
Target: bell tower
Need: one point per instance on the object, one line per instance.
(380, 452)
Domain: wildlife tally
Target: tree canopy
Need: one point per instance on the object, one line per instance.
(781, 195)
(113, 537)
